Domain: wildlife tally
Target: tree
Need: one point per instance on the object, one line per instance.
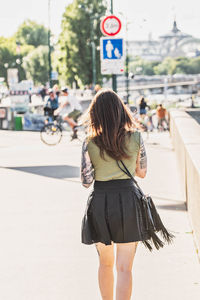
(80, 27)
(32, 33)
(167, 66)
(7, 57)
(14, 50)
(194, 65)
(36, 65)
(144, 67)
(11, 58)
(182, 65)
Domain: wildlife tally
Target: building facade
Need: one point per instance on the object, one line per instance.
(175, 43)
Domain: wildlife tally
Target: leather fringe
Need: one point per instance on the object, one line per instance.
(153, 224)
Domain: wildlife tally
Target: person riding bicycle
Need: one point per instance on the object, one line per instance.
(73, 112)
(51, 105)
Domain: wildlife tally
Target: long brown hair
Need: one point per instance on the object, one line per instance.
(109, 121)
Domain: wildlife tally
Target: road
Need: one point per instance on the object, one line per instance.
(41, 207)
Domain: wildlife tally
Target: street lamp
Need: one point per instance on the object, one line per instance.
(18, 61)
(127, 64)
(49, 44)
(93, 46)
(128, 76)
(114, 76)
(94, 75)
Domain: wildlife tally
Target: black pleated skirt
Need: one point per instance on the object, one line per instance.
(111, 214)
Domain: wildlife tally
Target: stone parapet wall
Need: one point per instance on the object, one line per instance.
(185, 134)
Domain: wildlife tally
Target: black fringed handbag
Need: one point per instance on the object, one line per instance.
(148, 218)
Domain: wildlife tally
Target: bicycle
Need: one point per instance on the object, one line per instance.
(51, 133)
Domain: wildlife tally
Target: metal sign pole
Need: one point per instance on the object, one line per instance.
(127, 65)
(127, 74)
(93, 47)
(114, 77)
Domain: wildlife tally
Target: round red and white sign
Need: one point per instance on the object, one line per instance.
(111, 25)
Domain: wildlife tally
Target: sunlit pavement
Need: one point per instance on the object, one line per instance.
(41, 206)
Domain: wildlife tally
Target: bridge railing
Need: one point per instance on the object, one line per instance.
(185, 133)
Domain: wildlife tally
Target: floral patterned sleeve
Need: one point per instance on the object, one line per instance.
(143, 155)
(87, 170)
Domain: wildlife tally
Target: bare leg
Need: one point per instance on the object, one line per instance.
(70, 121)
(166, 123)
(106, 277)
(124, 263)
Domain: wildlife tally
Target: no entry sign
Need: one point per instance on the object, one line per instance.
(111, 25)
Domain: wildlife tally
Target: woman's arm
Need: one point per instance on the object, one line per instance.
(62, 105)
(66, 103)
(87, 170)
(141, 163)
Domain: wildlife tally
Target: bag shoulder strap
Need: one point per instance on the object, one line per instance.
(127, 172)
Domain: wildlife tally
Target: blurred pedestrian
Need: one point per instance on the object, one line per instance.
(142, 106)
(150, 114)
(110, 216)
(56, 90)
(192, 102)
(51, 105)
(42, 92)
(97, 88)
(161, 115)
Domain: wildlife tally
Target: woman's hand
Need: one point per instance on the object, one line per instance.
(56, 112)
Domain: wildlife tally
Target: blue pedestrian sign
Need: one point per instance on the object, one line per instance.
(112, 48)
(112, 55)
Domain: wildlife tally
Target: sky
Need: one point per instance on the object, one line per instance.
(144, 17)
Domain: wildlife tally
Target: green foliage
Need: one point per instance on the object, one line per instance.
(33, 38)
(140, 66)
(9, 58)
(194, 65)
(29, 35)
(167, 66)
(79, 27)
(36, 65)
(32, 33)
(6, 55)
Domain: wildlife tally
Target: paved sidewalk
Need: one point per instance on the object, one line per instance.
(41, 206)
(173, 272)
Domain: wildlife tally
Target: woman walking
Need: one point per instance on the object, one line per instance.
(142, 107)
(111, 214)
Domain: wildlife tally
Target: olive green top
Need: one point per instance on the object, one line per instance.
(107, 169)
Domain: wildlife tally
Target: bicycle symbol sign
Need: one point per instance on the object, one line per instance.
(111, 25)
